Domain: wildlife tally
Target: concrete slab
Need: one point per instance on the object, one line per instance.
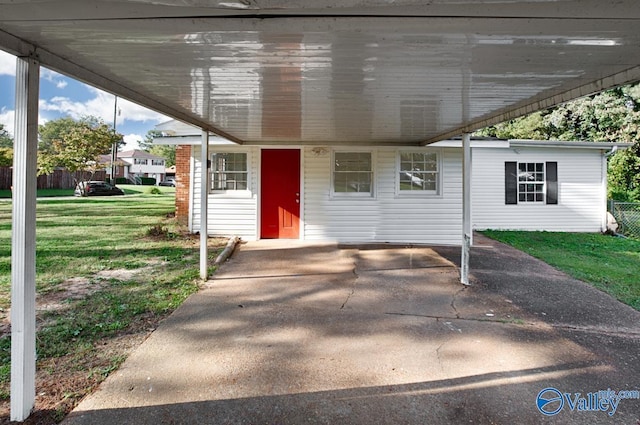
(300, 333)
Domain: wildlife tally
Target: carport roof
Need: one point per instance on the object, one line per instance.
(332, 71)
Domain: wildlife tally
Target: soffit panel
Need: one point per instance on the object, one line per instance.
(371, 80)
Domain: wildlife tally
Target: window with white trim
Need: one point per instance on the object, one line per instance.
(140, 161)
(157, 162)
(352, 173)
(418, 172)
(229, 171)
(531, 182)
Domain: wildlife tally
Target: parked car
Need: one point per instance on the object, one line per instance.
(169, 181)
(97, 188)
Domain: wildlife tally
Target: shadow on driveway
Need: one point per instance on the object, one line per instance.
(291, 332)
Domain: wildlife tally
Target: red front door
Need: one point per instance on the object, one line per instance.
(280, 194)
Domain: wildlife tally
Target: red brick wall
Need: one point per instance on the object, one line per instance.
(183, 164)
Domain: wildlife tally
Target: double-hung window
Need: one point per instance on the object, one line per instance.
(531, 182)
(418, 173)
(229, 171)
(352, 173)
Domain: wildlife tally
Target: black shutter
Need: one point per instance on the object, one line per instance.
(510, 183)
(552, 182)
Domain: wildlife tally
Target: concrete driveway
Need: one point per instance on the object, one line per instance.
(292, 333)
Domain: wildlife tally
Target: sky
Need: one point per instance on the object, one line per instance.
(62, 96)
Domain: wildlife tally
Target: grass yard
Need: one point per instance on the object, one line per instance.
(609, 263)
(108, 270)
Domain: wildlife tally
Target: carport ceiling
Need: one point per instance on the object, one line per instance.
(332, 71)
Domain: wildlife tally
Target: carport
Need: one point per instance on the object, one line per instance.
(272, 72)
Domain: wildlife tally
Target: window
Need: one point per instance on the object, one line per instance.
(139, 161)
(418, 172)
(229, 171)
(531, 182)
(157, 162)
(353, 173)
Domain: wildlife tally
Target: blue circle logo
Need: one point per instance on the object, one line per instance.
(550, 401)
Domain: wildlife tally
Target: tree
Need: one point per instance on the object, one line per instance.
(168, 152)
(6, 141)
(6, 157)
(610, 116)
(6, 148)
(75, 145)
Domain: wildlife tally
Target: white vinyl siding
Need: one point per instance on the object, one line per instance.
(391, 216)
(387, 217)
(581, 200)
(233, 212)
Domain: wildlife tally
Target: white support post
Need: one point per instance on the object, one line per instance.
(204, 191)
(466, 208)
(23, 245)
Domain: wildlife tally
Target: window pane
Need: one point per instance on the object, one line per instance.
(229, 171)
(531, 176)
(418, 171)
(406, 166)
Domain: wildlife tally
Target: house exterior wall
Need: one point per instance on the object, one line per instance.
(231, 213)
(389, 216)
(581, 194)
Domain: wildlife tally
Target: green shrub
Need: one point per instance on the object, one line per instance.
(154, 191)
(148, 181)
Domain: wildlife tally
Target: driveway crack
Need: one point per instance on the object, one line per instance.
(453, 302)
(353, 287)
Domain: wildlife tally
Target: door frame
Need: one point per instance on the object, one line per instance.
(259, 189)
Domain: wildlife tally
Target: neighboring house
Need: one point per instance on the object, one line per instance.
(137, 163)
(390, 194)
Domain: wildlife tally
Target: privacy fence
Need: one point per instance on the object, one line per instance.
(627, 215)
(59, 179)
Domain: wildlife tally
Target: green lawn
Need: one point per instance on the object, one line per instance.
(611, 264)
(87, 239)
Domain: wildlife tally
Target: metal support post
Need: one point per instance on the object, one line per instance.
(204, 191)
(23, 245)
(466, 208)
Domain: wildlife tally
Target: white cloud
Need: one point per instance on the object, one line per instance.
(102, 106)
(7, 117)
(58, 79)
(7, 64)
(131, 142)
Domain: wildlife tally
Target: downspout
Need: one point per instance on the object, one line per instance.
(604, 185)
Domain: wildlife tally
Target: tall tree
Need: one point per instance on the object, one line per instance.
(75, 145)
(168, 152)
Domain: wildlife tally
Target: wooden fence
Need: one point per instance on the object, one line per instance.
(59, 179)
